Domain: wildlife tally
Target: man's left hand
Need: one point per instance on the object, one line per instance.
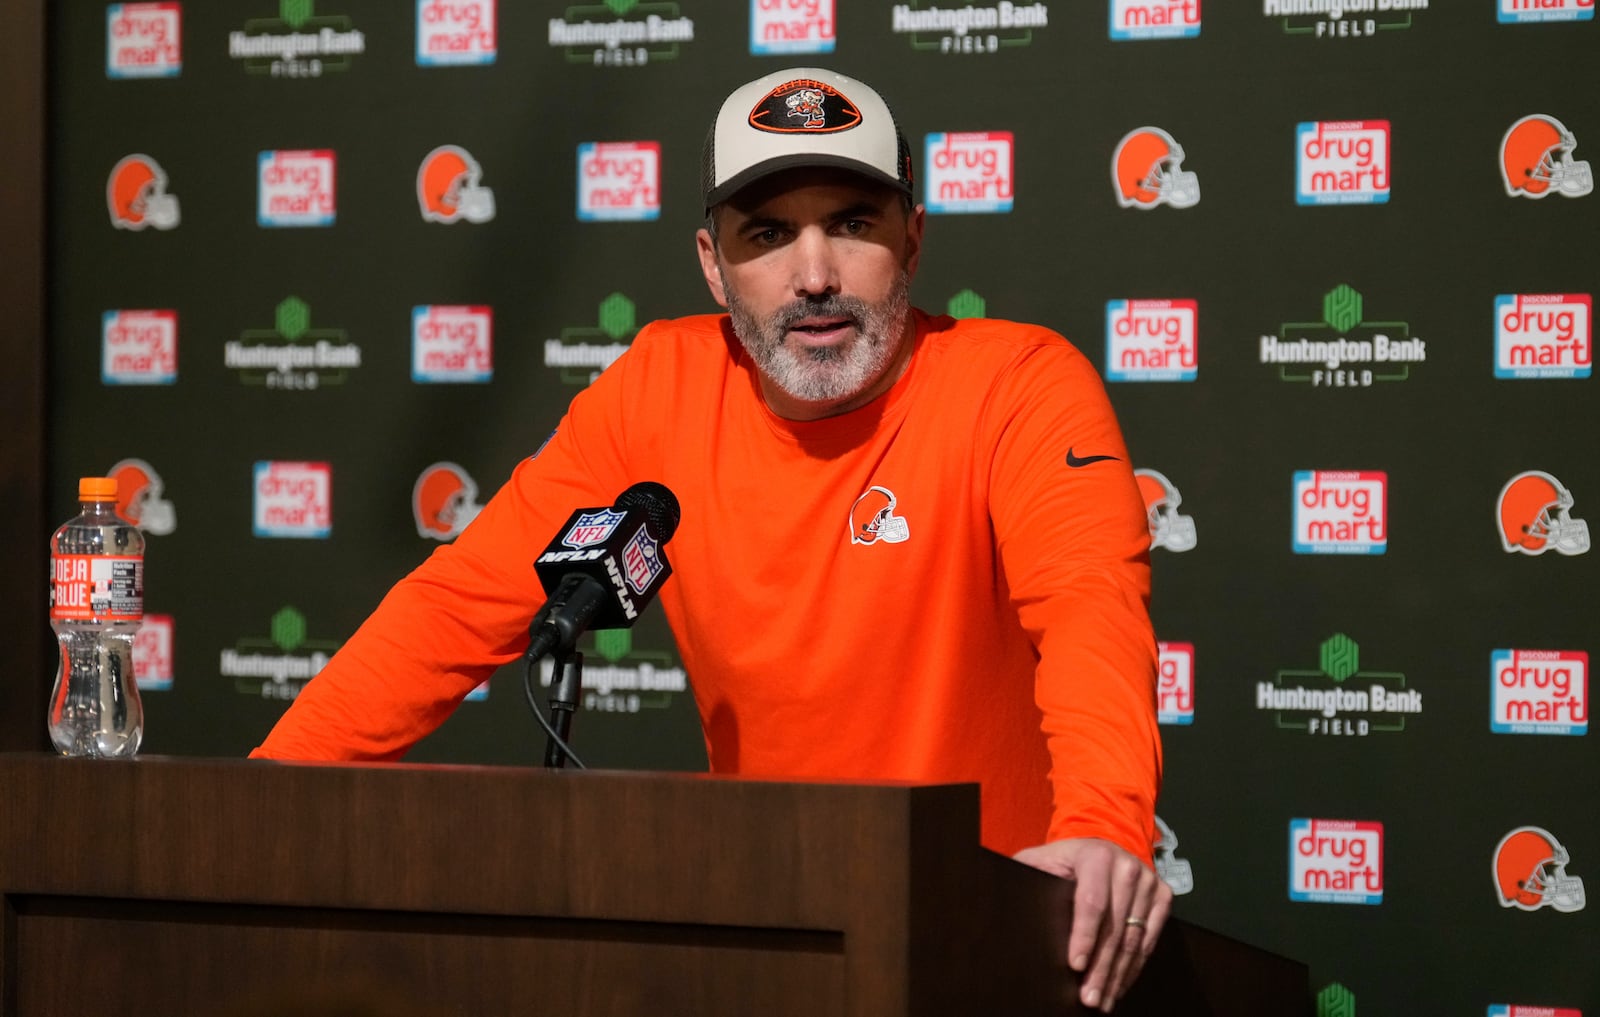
(1119, 907)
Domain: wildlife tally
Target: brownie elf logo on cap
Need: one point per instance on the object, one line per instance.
(804, 106)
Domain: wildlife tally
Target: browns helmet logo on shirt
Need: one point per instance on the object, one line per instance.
(872, 518)
(804, 105)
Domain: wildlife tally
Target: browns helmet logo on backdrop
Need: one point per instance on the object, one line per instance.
(1533, 516)
(1147, 170)
(449, 187)
(1168, 527)
(443, 501)
(1530, 872)
(1536, 160)
(139, 500)
(136, 195)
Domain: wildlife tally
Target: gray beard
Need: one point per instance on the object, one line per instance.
(827, 374)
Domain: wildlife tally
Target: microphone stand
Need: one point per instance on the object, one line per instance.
(566, 685)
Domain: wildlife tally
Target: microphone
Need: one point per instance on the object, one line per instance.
(603, 568)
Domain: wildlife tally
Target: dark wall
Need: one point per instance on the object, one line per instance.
(1411, 589)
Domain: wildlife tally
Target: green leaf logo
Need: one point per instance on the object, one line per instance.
(966, 304)
(613, 644)
(294, 12)
(293, 318)
(288, 629)
(1336, 1001)
(616, 316)
(621, 7)
(1341, 308)
(1341, 658)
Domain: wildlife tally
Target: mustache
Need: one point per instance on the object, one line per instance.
(834, 305)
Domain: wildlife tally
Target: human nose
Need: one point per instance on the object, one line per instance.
(815, 270)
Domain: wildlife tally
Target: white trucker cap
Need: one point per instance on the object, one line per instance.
(803, 116)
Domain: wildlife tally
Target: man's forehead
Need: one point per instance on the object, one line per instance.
(823, 183)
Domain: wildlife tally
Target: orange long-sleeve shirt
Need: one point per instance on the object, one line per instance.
(989, 626)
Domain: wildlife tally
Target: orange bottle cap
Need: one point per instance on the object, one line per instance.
(97, 489)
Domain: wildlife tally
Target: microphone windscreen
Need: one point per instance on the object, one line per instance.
(657, 502)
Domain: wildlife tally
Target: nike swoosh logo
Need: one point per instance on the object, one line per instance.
(1076, 461)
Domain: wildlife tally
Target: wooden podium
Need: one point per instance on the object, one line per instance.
(233, 887)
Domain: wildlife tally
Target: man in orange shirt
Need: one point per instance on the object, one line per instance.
(908, 543)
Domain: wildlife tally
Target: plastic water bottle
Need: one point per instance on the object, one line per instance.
(96, 605)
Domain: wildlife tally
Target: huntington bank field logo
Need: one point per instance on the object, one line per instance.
(297, 43)
(1540, 692)
(1543, 335)
(619, 180)
(1175, 683)
(144, 40)
(970, 172)
(293, 500)
(1155, 19)
(630, 681)
(278, 665)
(969, 28)
(621, 33)
(583, 351)
(1342, 162)
(1336, 352)
(1152, 340)
(1320, 703)
(139, 347)
(792, 26)
(295, 188)
(292, 354)
(1525, 11)
(1336, 1001)
(455, 33)
(1341, 512)
(452, 344)
(1342, 19)
(967, 304)
(1335, 861)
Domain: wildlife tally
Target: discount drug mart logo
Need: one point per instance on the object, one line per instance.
(152, 654)
(1543, 335)
(456, 33)
(1175, 683)
(1341, 512)
(139, 347)
(792, 26)
(1152, 340)
(293, 500)
(1539, 692)
(1155, 19)
(144, 40)
(970, 172)
(1529, 11)
(1335, 861)
(295, 188)
(1342, 162)
(969, 28)
(452, 344)
(619, 180)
